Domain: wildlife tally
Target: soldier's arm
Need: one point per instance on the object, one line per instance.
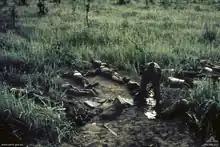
(91, 73)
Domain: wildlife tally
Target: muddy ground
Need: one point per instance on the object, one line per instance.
(132, 128)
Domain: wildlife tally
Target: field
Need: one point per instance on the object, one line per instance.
(127, 36)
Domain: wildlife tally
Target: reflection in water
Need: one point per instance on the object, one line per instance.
(151, 102)
(150, 112)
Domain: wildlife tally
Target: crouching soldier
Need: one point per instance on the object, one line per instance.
(177, 110)
(210, 116)
(152, 74)
(199, 119)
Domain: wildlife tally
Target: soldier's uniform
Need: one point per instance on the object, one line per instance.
(74, 91)
(103, 70)
(98, 63)
(152, 74)
(110, 74)
(77, 77)
(132, 86)
(209, 115)
(177, 110)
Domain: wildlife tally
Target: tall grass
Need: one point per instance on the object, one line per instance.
(48, 123)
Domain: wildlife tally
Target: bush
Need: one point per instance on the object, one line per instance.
(209, 35)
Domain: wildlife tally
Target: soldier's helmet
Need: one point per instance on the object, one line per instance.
(96, 63)
(153, 70)
(153, 65)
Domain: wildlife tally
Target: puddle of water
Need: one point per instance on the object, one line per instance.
(150, 113)
(151, 102)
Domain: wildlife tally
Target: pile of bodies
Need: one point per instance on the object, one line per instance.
(151, 75)
(188, 77)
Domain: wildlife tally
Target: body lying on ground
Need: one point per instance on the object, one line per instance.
(198, 118)
(132, 86)
(180, 83)
(78, 78)
(101, 69)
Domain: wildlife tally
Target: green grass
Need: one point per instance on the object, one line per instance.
(126, 36)
(168, 36)
(47, 121)
(206, 91)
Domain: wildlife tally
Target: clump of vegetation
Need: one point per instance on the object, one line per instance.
(57, 1)
(165, 3)
(45, 123)
(209, 35)
(5, 2)
(123, 2)
(87, 5)
(197, 8)
(43, 10)
(23, 2)
(13, 17)
(147, 2)
(206, 91)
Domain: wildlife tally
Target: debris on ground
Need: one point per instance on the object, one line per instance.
(92, 104)
(89, 99)
(110, 130)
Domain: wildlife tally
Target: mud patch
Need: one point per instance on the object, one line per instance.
(134, 129)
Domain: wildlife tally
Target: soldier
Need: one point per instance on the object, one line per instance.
(71, 90)
(152, 74)
(209, 115)
(79, 79)
(98, 63)
(132, 86)
(180, 83)
(104, 71)
(178, 109)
